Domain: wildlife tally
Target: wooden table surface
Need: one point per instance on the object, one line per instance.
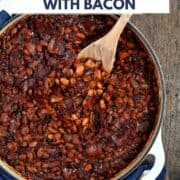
(163, 32)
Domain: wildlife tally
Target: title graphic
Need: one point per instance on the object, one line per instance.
(90, 4)
(85, 6)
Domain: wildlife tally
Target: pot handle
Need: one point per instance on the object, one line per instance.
(157, 151)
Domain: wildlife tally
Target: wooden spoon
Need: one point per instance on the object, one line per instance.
(104, 49)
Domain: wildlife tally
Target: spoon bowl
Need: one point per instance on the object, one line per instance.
(104, 49)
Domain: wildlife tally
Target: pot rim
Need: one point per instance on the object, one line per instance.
(162, 99)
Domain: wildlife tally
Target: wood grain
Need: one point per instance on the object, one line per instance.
(163, 32)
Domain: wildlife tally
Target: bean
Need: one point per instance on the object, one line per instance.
(85, 121)
(40, 152)
(22, 157)
(80, 35)
(102, 104)
(52, 130)
(73, 81)
(50, 136)
(31, 169)
(69, 145)
(45, 165)
(126, 115)
(27, 137)
(97, 74)
(56, 99)
(90, 92)
(75, 139)
(25, 130)
(80, 70)
(64, 81)
(30, 156)
(33, 144)
(88, 167)
(90, 63)
(92, 84)
(14, 31)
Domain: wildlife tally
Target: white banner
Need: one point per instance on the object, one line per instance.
(85, 6)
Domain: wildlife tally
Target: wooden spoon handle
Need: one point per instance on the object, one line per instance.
(111, 40)
(115, 32)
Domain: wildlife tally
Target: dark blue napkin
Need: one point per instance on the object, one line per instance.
(5, 176)
(145, 166)
(4, 17)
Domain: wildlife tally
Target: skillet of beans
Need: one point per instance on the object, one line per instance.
(63, 118)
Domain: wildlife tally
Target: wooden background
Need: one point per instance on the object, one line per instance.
(163, 32)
